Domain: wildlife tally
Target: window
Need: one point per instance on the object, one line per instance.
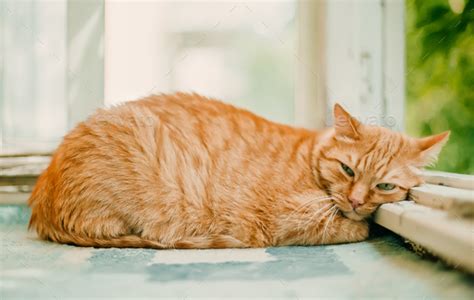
(33, 106)
(309, 53)
(243, 53)
(54, 76)
(289, 61)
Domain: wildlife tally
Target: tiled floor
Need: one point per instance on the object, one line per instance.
(378, 268)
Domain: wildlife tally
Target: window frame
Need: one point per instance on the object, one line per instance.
(437, 219)
(363, 60)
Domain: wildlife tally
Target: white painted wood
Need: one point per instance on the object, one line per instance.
(19, 174)
(29, 162)
(342, 75)
(2, 64)
(354, 49)
(462, 181)
(393, 63)
(22, 153)
(457, 201)
(85, 58)
(443, 235)
(310, 60)
(365, 59)
(14, 198)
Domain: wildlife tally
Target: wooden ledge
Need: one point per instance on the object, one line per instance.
(444, 235)
(462, 181)
(459, 202)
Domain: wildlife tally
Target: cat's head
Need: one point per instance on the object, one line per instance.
(364, 166)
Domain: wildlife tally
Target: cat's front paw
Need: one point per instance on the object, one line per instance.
(349, 231)
(359, 231)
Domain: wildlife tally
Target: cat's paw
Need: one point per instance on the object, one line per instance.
(359, 231)
(349, 231)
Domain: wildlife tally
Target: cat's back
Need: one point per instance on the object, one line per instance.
(180, 120)
(191, 121)
(196, 113)
(165, 137)
(166, 166)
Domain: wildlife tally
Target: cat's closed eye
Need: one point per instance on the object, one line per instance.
(348, 170)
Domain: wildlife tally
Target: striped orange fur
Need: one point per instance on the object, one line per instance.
(185, 171)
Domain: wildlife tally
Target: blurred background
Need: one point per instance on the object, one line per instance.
(440, 77)
(55, 55)
(285, 60)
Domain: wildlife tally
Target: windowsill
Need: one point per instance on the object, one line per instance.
(437, 231)
(440, 217)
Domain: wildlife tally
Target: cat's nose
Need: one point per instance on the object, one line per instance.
(356, 202)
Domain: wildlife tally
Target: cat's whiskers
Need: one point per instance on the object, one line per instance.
(331, 191)
(335, 193)
(306, 205)
(321, 217)
(316, 214)
(301, 208)
(338, 196)
(302, 223)
(328, 222)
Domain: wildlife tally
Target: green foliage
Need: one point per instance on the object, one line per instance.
(440, 77)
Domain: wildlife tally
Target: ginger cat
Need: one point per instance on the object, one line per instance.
(185, 171)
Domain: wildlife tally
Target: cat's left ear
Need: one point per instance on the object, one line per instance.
(346, 125)
(430, 147)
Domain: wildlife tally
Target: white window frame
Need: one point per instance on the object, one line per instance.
(85, 58)
(438, 218)
(355, 54)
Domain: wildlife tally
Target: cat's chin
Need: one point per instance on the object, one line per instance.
(353, 216)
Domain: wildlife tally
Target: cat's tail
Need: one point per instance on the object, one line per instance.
(40, 205)
(134, 241)
(127, 241)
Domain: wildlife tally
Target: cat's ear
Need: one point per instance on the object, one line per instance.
(346, 125)
(430, 147)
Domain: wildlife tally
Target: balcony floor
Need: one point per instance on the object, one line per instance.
(380, 267)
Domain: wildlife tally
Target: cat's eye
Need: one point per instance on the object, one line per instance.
(385, 186)
(347, 170)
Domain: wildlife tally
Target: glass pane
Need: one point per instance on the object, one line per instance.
(242, 53)
(33, 107)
